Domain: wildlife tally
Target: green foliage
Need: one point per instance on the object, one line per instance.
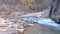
(30, 3)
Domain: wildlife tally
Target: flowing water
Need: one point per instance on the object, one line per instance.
(43, 26)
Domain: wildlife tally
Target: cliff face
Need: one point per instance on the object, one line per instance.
(21, 5)
(55, 11)
(41, 5)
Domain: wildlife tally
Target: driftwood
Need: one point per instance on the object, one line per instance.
(38, 14)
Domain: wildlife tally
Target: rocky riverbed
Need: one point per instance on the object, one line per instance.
(36, 29)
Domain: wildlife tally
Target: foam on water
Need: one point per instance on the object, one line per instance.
(43, 21)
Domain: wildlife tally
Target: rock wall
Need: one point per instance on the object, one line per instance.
(55, 10)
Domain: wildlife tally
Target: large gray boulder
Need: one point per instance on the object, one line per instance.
(55, 10)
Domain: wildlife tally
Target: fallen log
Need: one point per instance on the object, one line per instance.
(38, 14)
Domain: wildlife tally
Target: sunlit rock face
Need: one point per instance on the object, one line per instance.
(11, 6)
(11, 1)
(16, 5)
